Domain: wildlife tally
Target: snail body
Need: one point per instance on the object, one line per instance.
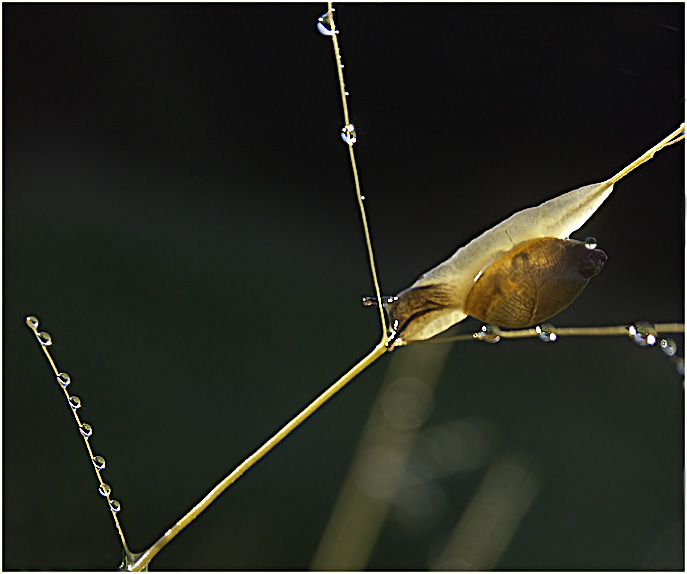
(516, 274)
(437, 299)
(519, 288)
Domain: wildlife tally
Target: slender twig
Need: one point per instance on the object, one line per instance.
(675, 137)
(560, 332)
(74, 402)
(382, 347)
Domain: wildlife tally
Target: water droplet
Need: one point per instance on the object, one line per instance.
(590, 243)
(99, 462)
(346, 94)
(115, 506)
(362, 197)
(668, 346)
(32, 322)
(547, 332)
(325, 26)
(488, 334)
(105, 489)
(86, 430)
(348, 134)
(63, 379)
(44, 338)
(643, 333)
(75, 402)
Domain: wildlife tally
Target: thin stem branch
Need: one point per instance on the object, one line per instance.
(45, 340)
(561, 332)
(144, 558)
(361, 206)
(669, 140)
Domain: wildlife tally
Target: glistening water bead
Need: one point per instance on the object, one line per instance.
(546, 331)
(668, 346)
(32, 322)
(348, 134)
(44, 338)
(63, 379)
(325, 26)
(590, 243)
(115, 506)
(99, 462)
(643, 333)
(105, 489)
(488, 334)
(74, 402)
(86, 430)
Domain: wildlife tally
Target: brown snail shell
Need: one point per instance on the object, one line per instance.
(533, 282)
(520, 288)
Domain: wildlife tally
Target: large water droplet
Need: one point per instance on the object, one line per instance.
(44, 338)
(86, 430)
(105, 489)
(348, 134)
(99, 462)
(668, 346)
(488, 334)
(63, 379)
(325, 25)
(590, 243)
(643, 333)
(547, 332)
(115, 506)
(75, 402)
(32, 322)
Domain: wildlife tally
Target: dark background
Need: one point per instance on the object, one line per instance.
(179, 214)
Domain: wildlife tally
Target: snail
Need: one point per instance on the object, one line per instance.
(520, 272)
(522, 287)
(533, 282)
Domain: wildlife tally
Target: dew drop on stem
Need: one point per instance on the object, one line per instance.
(643, 333)
(63, 379)
(325, 26)
(348, 134)
(547, 332)
(489, 334)
(44, 338)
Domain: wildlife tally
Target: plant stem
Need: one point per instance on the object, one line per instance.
(144, 558)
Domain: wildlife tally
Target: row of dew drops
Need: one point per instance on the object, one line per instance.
(75, 403)
(642, 333)
(326, 27)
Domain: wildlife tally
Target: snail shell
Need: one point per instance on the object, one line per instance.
(532, 282)
(520, 288)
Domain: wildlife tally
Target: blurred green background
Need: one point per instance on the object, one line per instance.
(179, 214)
